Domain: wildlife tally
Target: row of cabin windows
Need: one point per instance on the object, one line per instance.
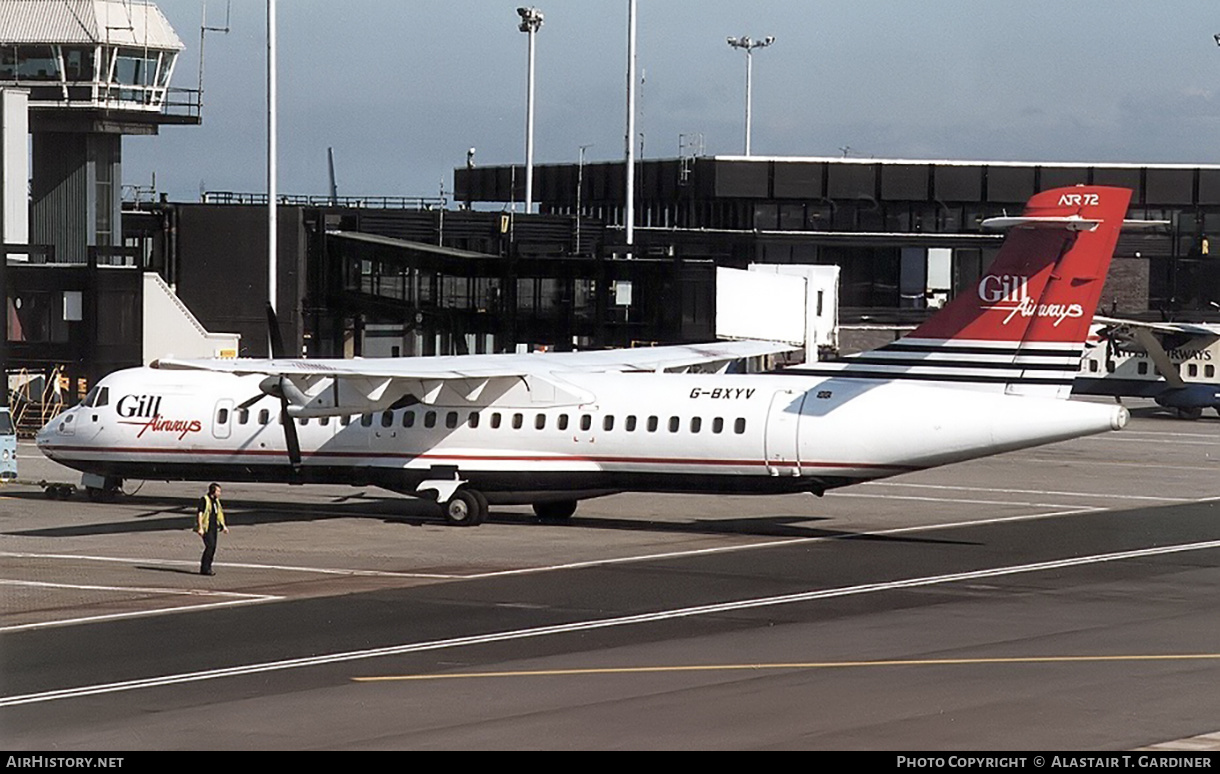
(497, 420)
(1191, 369)
(1142, 368)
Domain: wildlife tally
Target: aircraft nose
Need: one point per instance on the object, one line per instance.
(43, 436)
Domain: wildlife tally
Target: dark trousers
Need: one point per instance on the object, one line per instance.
(209, 551)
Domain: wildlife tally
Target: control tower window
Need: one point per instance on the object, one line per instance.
(78, 64)
(134, 68)
(37, 63)
(8, 63)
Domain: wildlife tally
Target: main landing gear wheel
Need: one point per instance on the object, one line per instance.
(59, 491)
(1194, 412)
(98, 495)
(467, 508)
(560, 510)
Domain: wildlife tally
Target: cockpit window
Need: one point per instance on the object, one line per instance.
(99, 396)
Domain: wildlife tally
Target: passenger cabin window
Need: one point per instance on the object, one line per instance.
(366, 420)
(472, 421)
(387, 419)
(1093, 366)
(518, 420)
(345, 420)
(324, 421)
(1142, 368)
(652, 424)
(243, 416)
(430, 419)
(586, 421)
(739, 426)
(540, 422)
(451, 420)
(303, 421)
(1193, 369)
(630, 423)
(608, 423)
(562, 422)
(674, 423)
(1209, 371)
(222, 416)
(495, 420)
(408, 418)
(718, 425)
(264, 416)
(696, 424)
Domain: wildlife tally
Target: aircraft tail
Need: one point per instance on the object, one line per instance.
(1022, 329)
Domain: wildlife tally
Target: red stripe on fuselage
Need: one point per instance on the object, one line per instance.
(474, 457)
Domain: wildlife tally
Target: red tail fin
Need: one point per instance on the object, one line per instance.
(1046, 282)
(1022, 329)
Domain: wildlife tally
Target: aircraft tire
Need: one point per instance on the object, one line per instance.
(466, 508)
(560, 510)
(1190, 413)
(484, 508)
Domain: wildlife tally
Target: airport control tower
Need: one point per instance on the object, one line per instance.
(94, 71)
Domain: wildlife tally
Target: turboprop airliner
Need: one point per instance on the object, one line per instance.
(1174, 363)
(989, 373)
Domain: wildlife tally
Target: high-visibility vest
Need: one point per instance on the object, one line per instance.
(205, 513)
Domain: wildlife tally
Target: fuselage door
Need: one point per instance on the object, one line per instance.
(222, 418)
(782, 434)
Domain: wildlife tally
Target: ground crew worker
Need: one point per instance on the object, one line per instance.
(209, 522)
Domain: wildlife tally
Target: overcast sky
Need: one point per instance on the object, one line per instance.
(400, 90)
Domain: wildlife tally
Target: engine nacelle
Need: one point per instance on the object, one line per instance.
(1192, 396)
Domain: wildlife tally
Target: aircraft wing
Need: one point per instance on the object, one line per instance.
(667, 358)
(322, 387)
(1152, 337)
(1209, 330)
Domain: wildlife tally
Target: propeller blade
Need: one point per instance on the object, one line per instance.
(279, 387)
(251, 401)
(290, 434)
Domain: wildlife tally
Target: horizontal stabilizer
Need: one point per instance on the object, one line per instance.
(1070, 223)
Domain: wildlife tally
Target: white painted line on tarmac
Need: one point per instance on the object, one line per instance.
(951, 500)
(134, 589)
(229, 599)
(1213, 437)
(665, 555)
(232, 565)
(1143, 464)
(595, 624)
(775, 544)
(1050, 493)
(1213, 442)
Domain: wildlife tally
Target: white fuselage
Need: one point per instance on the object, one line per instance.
(1113, 371)
(659, 432)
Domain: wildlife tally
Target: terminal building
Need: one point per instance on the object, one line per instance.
(381, 277)
(905, 233)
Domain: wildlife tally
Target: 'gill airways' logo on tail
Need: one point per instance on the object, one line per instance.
(1009, 293)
